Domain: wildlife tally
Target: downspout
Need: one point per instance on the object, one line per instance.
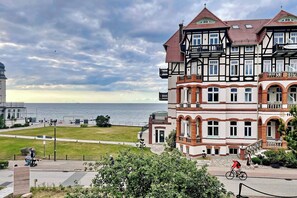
(257, 72)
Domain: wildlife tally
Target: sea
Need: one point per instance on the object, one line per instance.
(132, 114)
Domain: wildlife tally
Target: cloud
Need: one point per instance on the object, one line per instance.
(101, 46)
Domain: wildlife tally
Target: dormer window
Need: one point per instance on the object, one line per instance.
(248, 26)
(288, 19)
(235, 26)
(206, 21)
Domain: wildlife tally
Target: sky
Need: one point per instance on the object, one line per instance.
(107, 51)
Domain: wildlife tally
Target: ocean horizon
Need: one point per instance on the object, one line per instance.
(120, 113)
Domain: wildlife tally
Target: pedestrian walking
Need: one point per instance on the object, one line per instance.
(249, 161)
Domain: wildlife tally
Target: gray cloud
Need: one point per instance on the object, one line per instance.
(105, 45)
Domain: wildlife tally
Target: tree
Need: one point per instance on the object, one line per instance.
(103, 121)
(2, 122)
(171, 140)
(291, 135)
(139, 175)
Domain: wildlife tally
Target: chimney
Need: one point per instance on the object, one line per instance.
(180, 31)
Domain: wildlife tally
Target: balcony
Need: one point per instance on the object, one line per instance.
(188, 140)
(163, 73)
(274, 144)
(163, 96)
(271, 76)
(191, 78)
(274, 105)
(287, 50)
(214, 50)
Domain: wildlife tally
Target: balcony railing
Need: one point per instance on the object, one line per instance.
(288, 49)
(199, 49)
(290, 105)
(274, 143)
(163, 73)
(163, 96)
(274, 105)
(275, 75)
(285, 75)
(190, 78)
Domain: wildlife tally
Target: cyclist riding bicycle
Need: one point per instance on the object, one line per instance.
(236, 165)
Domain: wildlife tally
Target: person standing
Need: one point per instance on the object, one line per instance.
(249, 161)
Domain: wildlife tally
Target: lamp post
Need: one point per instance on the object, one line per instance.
(55, 139)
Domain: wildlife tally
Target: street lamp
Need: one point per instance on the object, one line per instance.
(55, 139)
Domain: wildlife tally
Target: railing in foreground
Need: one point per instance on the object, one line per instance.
(258, 191)
(58, 157)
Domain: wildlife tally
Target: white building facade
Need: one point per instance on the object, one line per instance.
(229, 83)
(12, 112)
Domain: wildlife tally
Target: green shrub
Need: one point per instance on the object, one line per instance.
(291, 160)
(3, 164)
(276, 156)
(83, 125)
(265, 162)
(16, 126)
(256, 160)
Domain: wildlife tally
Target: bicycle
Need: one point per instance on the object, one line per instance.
(231, 174)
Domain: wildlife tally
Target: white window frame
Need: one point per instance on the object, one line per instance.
(248, 95)
(213, 94)
(267, 66)
(214, 39)
(233, 129)
(234, 49)
(249, 48)
(213, 67)
(293, 65)
(197, 39)
(234, 68)
(248, 67)
(279, 65)
(278, 38)
(248, 129)
(212, 128)
(293, 37)
(233, 95)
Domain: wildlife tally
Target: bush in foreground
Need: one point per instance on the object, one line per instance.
(139, 175)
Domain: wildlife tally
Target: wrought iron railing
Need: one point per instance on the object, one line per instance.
(206, 48)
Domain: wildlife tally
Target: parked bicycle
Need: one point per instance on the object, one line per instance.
(232, 173)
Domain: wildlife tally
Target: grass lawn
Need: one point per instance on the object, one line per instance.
(75, 151)
(114, 133)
